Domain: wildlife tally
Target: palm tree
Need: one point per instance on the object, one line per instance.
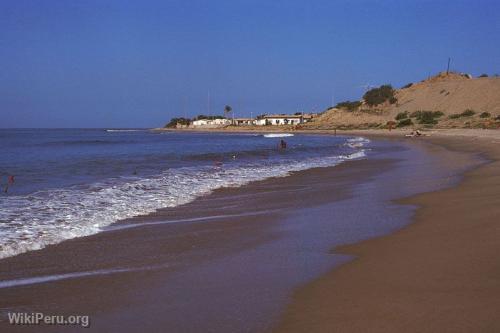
(228, 109)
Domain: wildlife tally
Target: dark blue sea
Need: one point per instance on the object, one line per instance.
(75, 182)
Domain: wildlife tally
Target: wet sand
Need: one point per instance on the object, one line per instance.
(186, 275)
(227, 262)
(439, 274)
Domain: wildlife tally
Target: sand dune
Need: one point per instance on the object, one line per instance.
(449, 93)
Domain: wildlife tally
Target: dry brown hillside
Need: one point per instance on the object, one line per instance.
(450, 93)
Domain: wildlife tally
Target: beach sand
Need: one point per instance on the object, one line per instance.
(226, 274)
(235, 272)
(439, 274)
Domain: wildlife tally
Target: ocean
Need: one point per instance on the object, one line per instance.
(72, 183)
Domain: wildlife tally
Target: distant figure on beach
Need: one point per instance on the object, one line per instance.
(282, 144)
(414, 133)
(10, 182)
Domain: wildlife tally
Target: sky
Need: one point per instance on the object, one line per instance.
(130, 64)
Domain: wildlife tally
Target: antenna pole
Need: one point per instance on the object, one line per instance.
(448, 68)
(208, 103)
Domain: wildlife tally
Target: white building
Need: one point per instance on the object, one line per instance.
(260, 121)
(283, 119)
(200, 122)
(211, 122)
(243, 121)
(221, 121)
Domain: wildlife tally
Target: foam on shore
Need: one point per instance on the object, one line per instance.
(33, 221)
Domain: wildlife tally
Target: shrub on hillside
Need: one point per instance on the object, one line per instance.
(405, 122)
(468, 113)
(483, 75)
(427, 117)
(485, 115)
(379, 95)
(407, 86)
(350, 106)
(402, 115)
(415, 114)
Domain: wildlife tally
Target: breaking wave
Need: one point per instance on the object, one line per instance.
(277, 135)
(33, 221)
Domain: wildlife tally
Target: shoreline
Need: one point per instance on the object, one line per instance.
(437, 274)
(223, 239)
(493, 134)
(255, 262)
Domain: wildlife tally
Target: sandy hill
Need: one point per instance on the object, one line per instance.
(451, 94)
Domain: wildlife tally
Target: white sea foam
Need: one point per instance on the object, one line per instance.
(125, 130)
(357, 142)
(73, 275)
(277, 135)
(31, 222)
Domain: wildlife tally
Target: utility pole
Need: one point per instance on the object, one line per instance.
(448, 68)
(208, 103)
(184, 106)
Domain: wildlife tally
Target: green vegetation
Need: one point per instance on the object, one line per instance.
(405, 122)
(186, 121)
(402, 115)
(466, 113)
(380, 95)
(485, 115)
(350, 106)
(181, 121)
(483, 75)
(415, 114)
(202, 116)
(427, 117)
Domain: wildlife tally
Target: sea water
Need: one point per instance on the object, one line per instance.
(76, 182)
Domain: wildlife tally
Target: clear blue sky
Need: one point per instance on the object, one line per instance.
(138, 63)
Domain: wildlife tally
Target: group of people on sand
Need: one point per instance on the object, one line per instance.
(414, 133)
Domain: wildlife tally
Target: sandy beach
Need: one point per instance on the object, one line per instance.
(440, 274)
(271, 255)
(250, 166)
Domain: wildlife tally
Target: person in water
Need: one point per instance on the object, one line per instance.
(10, 182)
(282, 144)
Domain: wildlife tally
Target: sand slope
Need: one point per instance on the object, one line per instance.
(449, 93)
